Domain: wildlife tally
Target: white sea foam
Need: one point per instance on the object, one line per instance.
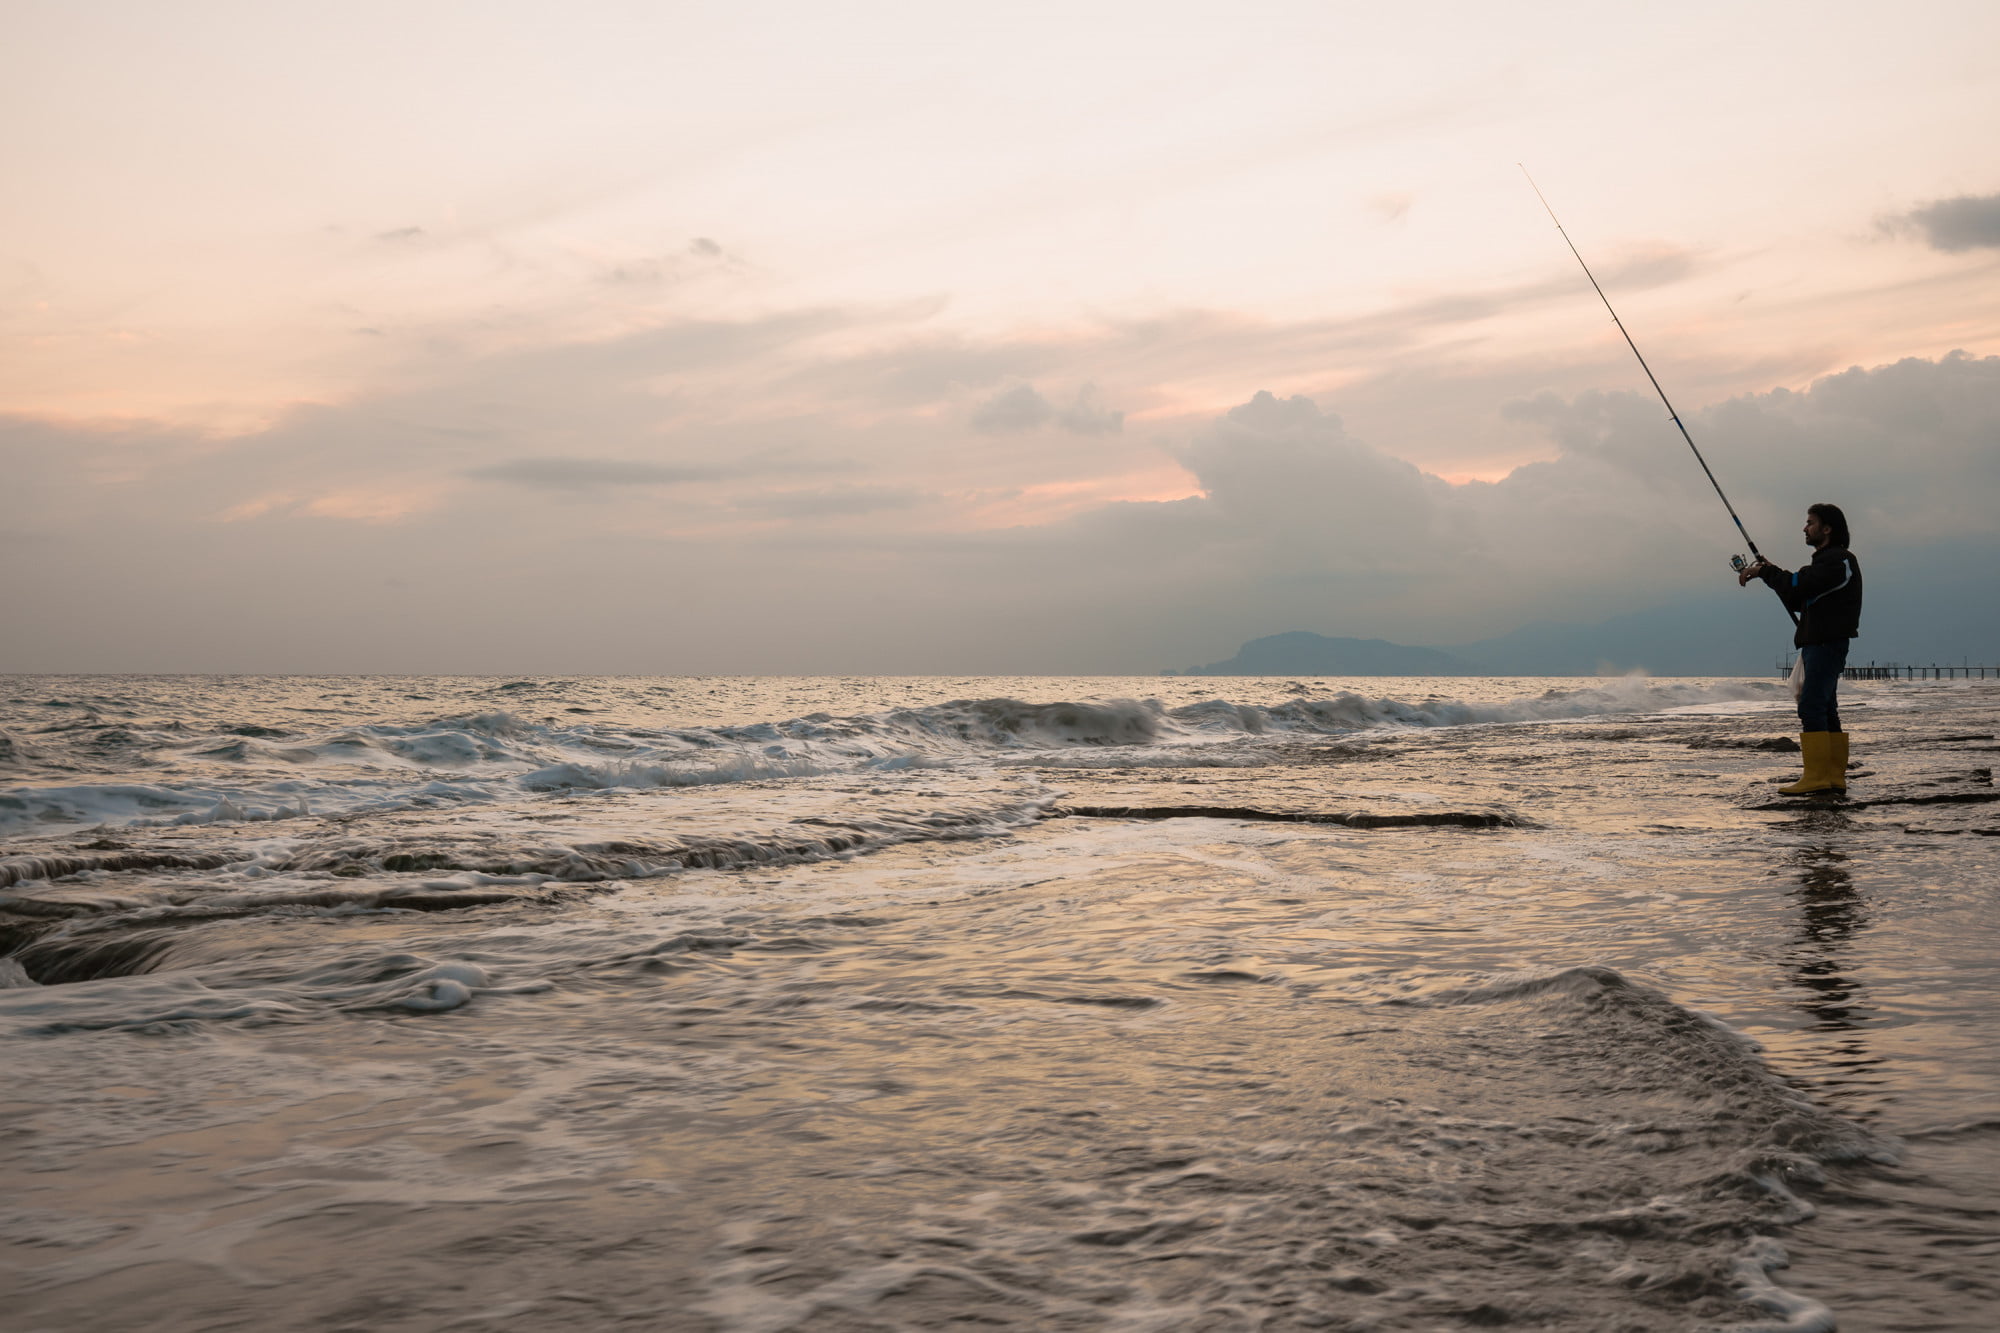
(1795, 1313)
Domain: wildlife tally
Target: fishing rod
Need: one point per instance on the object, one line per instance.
(1672, 415)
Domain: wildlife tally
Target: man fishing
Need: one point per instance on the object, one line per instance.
(1825, 596)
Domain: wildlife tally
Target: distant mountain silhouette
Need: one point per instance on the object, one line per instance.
(1705, 637)
(1923, 606)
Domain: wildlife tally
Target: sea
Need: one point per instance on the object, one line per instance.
(845, 1004)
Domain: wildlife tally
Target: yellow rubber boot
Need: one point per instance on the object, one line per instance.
(1816, 747)
(1836, 764)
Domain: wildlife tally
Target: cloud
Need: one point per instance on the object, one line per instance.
(1301, 526)
(707, 451)
(1968, 222)
(701, 256)
(578, 474)
(401, 234)
(1087, 416)
(1015, 409)
(1021, 408)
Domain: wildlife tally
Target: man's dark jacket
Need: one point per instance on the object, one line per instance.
(1826, 595)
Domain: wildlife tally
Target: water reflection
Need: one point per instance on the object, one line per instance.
(1831, 914)
(1819, 960)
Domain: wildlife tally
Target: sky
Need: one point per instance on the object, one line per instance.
(938, 338)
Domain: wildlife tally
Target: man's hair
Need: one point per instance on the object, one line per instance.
(1836, 521)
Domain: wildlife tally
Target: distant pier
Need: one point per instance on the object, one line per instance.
(1906, 671)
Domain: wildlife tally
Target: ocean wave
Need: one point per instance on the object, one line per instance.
(30, 810)
(1657, 1037)
(246, 772)
(60, 923)
(701, 773)
(56, 865)
(181, 1001)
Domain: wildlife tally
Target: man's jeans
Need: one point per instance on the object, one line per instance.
(1818, 710)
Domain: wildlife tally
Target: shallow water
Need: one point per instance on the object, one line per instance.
(1094, 1004)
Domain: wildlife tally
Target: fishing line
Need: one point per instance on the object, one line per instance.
(1672, 415)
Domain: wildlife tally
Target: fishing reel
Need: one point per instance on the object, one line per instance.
(1739, 563)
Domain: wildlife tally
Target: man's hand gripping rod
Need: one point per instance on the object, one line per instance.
(1672, 415)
